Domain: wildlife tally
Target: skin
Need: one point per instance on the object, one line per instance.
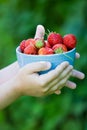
(16, 81)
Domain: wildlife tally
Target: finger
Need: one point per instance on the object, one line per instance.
(56, 85)
(63, 81)
(70, 84)
(78, 74)
(64, 75)
(66, 71)
(40, 32)
(61, 78)
(57, 92)
(36, 67)
(51, 75)
(77, 55)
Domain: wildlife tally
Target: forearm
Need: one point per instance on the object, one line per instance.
(8, 93)
(8, 72)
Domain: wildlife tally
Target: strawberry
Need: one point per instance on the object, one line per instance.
(45, 51)
(39, 43)
(47, 44)
(59, 48)
(49, 50)
(70, 41)
(54, 38)
(29, 41)
(22, 46)
(30, 49)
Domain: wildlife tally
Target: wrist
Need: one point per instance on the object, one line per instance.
(8, 93)
(17, 86)
(15, 89)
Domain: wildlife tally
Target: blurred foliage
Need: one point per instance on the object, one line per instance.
(18, 21)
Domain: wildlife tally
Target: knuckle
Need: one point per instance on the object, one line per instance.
(45, 90)
(56, 87)
(55, 73)
(42, 84)
(64, 81)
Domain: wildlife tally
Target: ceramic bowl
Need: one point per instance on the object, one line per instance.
(54, 59)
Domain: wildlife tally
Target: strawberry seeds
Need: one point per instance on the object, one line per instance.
(54, 44)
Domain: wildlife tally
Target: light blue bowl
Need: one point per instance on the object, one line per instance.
(55, 59)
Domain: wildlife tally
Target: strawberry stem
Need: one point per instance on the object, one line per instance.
(48, 32)
(59, 50)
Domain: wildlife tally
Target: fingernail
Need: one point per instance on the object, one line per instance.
(48, 64)
(74, 86)
(58, 92)
(66, 62)
(77, 55)
(82, 76)
(71, 66)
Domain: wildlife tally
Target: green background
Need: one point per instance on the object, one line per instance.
(18, 21)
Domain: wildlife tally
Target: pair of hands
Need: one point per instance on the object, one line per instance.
(16, 81)
(33, 84)
(29, 82)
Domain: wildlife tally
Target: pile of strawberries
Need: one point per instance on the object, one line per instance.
(54, 44)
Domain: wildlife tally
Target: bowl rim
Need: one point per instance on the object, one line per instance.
(18, 51)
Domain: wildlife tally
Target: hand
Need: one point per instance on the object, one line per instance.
(40, 31)
(29, 82)
(75, 74)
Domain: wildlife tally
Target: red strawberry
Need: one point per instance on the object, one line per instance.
(29, 41)
(22, 46)
(49, 50)
(59, 48)
(39, 43)
(45, 51)
(54, 38)
(47, 44)
(30, 49)
(70, 41)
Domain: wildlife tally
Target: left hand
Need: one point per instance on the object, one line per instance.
(76, 74)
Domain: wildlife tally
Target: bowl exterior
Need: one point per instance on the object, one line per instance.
(54, 59)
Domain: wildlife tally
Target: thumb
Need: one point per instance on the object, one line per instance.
(77, 55)
(57, 92)
(36, 67)
(40, 31)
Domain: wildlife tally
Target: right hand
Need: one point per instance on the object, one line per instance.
(29, 82)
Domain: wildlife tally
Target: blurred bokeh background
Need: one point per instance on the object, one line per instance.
(18, 21)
